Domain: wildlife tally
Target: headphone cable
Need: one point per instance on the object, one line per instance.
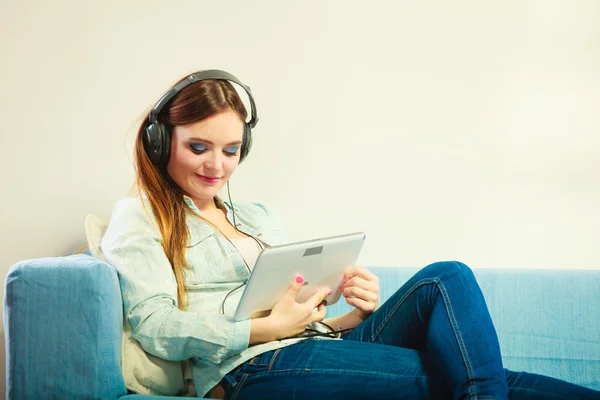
(231, 204)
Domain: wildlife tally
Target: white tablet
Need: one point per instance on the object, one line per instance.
(321, 262)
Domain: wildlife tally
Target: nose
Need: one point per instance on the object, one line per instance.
(214, 162)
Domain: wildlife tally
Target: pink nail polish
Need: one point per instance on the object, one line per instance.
(329, 293)
(299, 279)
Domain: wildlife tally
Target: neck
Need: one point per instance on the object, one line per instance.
(207, 205)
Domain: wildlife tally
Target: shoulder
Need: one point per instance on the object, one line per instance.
(127, 204)
(131, 215)
(131, 210)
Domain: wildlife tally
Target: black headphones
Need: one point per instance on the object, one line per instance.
(157, 138)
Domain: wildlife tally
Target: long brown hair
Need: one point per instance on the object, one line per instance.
(194, 103)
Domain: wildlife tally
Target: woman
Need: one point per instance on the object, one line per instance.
(183, 255)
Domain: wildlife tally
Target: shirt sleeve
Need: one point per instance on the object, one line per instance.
(133, 246)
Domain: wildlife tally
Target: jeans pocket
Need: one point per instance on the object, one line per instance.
(260, 363)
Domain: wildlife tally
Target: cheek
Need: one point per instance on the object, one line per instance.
(181, 163)
(231, 165)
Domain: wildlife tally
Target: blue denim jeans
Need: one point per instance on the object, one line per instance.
(433, 339)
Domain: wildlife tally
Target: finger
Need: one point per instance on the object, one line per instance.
(356, 281)
(295, 288)
(361, 294)
(360, 271)
(318, 298)
(319, 315)
(360, 304)
(361, 283)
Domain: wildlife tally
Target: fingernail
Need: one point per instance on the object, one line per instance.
(329, 293)
(299, 279)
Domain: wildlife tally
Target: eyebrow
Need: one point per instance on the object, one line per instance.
(237, 142)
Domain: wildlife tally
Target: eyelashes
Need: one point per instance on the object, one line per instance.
(199, 148)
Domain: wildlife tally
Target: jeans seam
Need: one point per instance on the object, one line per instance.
(449, 311)
(424, 281)
(457, 334)
(275, 354)
(238, 386)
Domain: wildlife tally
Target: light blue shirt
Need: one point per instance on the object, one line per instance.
(214, 342)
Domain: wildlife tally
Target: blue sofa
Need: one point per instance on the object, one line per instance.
(63, 321)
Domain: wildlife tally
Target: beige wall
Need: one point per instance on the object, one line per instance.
(446, 130)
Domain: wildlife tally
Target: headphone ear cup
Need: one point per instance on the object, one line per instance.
(157, 143)
(165, 150)
(153, 143)
(246, 142)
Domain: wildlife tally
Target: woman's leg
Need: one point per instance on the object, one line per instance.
(526, 386)
(345, 369)
(334, 369)
(441, 310)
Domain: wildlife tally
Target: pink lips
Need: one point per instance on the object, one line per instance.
(209, 179)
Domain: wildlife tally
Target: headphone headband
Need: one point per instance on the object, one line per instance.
(203, 76)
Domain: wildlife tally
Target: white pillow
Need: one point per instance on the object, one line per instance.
(143, 373)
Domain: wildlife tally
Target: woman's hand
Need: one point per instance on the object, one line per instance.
(288, 317)
(361, 290)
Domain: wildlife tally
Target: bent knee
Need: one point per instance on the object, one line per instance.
(448, 268)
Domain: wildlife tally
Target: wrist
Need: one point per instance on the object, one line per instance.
(263, 330)
(359, 315)
(274, 327)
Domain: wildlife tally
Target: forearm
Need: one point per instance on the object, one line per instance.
(262, 330)
(347, 321)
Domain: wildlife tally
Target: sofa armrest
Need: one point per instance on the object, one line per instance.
(63, 324)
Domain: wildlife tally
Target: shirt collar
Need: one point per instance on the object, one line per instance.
(220, 203)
